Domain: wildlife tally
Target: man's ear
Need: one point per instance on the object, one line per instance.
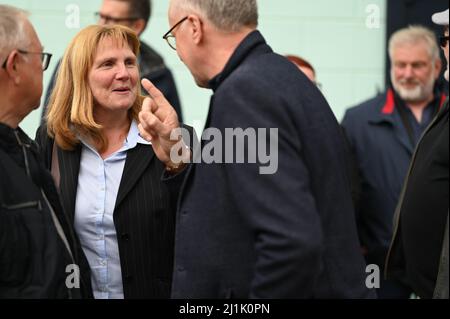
(438, 67)
(138, 26)
(196, 28)
(12, 66)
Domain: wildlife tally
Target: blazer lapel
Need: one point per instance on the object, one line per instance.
(137, 161)
(69, 164)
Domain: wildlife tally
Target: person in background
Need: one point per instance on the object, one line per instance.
(419, 250)
(109, 177)
(382, 135)
(305, 67)
(134, 14)
(40, 257)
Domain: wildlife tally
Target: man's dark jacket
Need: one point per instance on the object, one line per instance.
(33, 258)
(152, 67)
(291, 234)
(429, 277)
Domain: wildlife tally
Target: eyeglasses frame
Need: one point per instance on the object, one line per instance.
(45, 56)
(169, 33)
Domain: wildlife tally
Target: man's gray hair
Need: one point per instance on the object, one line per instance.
(415, 35)
(12, 32)
(226, 15)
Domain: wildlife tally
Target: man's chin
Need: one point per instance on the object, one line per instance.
(410, 95)
(410, 88)
(36, 105)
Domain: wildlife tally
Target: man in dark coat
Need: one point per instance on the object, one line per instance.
(419, 250)
(134, 14)
(280, 226)
(40, 256)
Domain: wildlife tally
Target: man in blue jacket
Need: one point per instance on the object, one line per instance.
(383, 133)
(277, 227)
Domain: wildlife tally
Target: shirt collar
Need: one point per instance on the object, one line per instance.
(133, 138)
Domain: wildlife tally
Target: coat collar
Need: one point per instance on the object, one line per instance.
(388, 113)
(254, 42)
(388, 110)
(244, 49)
(10, 137)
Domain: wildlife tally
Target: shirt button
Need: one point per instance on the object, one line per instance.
(103, 262)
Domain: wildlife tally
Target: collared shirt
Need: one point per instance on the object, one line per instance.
(98, 185)
(428, 115)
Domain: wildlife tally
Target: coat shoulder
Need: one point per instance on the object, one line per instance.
(363, 112)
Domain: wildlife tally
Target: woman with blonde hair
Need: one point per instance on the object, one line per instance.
(108, 176)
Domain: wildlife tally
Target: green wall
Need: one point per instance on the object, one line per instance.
(344, 40)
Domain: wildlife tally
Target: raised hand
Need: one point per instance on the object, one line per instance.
(157, 121)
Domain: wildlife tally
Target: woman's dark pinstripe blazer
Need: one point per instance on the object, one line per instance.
(144, 216)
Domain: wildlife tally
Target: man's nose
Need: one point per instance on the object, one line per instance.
(408, 72)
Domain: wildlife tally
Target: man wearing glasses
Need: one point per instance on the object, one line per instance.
(419, 249)
(135, 14)
(37, 245)
(242, 233)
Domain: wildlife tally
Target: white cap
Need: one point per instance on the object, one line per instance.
(441, 18)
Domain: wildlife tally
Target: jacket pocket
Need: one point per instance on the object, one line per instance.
(20, 206)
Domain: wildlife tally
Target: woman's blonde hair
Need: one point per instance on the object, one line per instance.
(71, 107)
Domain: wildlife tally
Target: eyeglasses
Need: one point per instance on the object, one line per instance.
(170, 38)
(443, 41)
(45, 58)
(111, 20)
